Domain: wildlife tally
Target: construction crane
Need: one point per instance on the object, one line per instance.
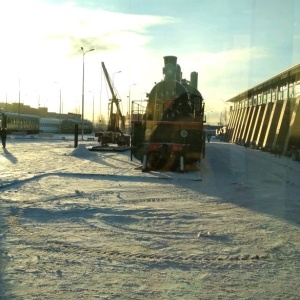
(116, 120)
(116, 123)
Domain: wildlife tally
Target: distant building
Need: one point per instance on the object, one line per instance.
(40, 112)
(212, 129)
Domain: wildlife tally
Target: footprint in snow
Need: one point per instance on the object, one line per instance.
(206, 234)
(78, 193)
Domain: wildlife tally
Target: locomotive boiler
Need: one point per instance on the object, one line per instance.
(169, 135)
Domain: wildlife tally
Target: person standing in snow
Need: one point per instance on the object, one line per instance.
(3, 134)
(208, 137)
(277, 151)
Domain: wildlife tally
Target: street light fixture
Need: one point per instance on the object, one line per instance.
(82, 105)
(114, 76)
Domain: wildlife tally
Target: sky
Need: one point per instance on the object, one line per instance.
(232, 44)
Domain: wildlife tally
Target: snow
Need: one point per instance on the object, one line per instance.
(79, 224)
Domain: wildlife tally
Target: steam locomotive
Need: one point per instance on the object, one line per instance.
(169, 135)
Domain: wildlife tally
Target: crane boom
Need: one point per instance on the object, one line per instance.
(117, 118)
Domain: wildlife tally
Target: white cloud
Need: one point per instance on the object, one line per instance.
(41, 44)
(226, 71)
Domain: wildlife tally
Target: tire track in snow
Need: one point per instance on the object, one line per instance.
(157, 177)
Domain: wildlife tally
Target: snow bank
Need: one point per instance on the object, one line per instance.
(81, 151)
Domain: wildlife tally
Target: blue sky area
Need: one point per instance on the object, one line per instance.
(232, 44)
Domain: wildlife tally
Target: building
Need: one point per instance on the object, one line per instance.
(40, 112)
(267, 116)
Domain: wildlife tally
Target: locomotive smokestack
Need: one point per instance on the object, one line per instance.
(170, 67)
(178, 73)
(194, 80)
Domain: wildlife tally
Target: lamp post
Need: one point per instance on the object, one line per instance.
(145, 93)
(114, 76)
(129, 113)
(93, 105)
(142, 94)
(82, 104)
(19, 104)
(208, 114)
(60, 108)
(60, 100)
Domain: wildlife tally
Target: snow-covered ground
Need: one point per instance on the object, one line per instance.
(77, 224)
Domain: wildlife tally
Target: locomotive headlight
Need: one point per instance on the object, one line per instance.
(184, 133)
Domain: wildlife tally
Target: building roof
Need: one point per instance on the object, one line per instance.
(289, 75)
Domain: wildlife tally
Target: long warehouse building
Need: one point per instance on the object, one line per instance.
(267, 116)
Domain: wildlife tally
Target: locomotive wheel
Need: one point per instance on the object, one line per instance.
(154, 161)
(163, 161)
